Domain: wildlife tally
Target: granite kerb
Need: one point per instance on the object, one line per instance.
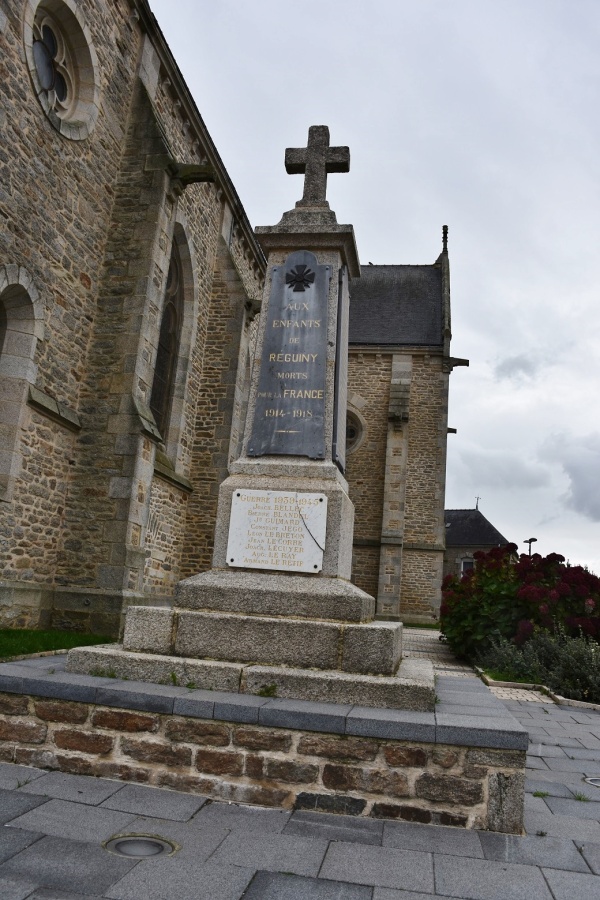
(501, 731)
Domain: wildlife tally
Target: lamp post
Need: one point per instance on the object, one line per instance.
(530, 541)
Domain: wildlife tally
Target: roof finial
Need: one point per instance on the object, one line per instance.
(444, 238)
(477, 499)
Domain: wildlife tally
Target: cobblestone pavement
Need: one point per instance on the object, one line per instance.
(51, 845)
(425, 643)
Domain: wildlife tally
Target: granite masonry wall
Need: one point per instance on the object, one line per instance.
(412, 513)
(89, 228)
(415, 781)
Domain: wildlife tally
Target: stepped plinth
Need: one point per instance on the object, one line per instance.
(277, 615)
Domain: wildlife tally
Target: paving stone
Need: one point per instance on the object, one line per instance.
(54, 663)
(537, 749)
(581, 766)
(335, 828)
(583, 753)
(381, 866)
(569, 885)
(195, 844)
(244, 818)
(15, 890)
(12, 776)
(52, 894)
(547, 740)
(432, 838)
(55, 862)
(580, 809)
(380, 893)
(280, 886)
(480, 712)
(62, 818)
(13, 804)
(79, 788)
(13, 840)
(479, 699)
(464, 685)
(479, 879)
(173, 878)
(303, 714)
(591, 854)
(394, 724)
(552, 789)
(535, 762)
(273, 852)
(151, 801)
(535, 804)
(556, 853)
(568, 778)
(562, 826)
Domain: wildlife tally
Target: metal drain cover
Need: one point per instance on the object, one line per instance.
(139, 846)
(593, 780)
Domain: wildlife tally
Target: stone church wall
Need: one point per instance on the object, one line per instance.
(93, 221)
(420, 512)
(369, 376)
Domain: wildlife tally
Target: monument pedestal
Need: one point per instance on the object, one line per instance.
(277, 615)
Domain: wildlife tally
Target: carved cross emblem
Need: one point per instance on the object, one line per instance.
(314, 162)
(301, 277)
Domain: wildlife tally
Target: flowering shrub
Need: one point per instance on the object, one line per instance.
(510, 597)
(568, 665)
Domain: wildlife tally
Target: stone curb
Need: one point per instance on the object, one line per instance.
(541, 688)
(40, 655)
(500, 732)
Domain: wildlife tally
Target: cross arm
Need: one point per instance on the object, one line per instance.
(295, 160)
(338, 159)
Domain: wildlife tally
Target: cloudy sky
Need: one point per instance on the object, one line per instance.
(476, 114)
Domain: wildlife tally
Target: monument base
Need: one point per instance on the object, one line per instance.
(412, 688)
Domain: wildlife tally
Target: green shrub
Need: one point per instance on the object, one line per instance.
(566, 664)
(507, 597)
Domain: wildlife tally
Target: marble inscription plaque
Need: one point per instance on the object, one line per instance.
(289, 418)
(282, 530)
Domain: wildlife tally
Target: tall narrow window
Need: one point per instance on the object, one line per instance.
(3, 325)
(168, 345)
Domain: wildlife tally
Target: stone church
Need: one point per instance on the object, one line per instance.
(130, 285)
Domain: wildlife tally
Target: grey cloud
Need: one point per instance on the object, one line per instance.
(517, 366)
(580, 460)
(501, 469)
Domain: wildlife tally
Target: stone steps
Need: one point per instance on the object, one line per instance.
(373, 648)
(412, 688)
(261, 593)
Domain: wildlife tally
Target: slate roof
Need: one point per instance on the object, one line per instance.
(470, 528)
(397, 305)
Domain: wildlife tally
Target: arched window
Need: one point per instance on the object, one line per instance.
(21, 326)
(168, 345)
(3, 325)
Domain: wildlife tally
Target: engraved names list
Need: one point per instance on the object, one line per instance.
(289, 415)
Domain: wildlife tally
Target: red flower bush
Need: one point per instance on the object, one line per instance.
(505, 596)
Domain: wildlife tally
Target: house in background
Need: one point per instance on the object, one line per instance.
(467, 530)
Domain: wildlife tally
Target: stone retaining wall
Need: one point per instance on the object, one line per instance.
(417, 781)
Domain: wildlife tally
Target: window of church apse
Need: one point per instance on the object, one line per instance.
(165, 367)
(63, 65)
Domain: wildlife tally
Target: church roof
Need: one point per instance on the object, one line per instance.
(470, 528)
(397, 305)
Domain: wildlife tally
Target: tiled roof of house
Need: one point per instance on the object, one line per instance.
(469, 527)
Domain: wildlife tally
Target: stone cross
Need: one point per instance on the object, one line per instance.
(314, 162)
